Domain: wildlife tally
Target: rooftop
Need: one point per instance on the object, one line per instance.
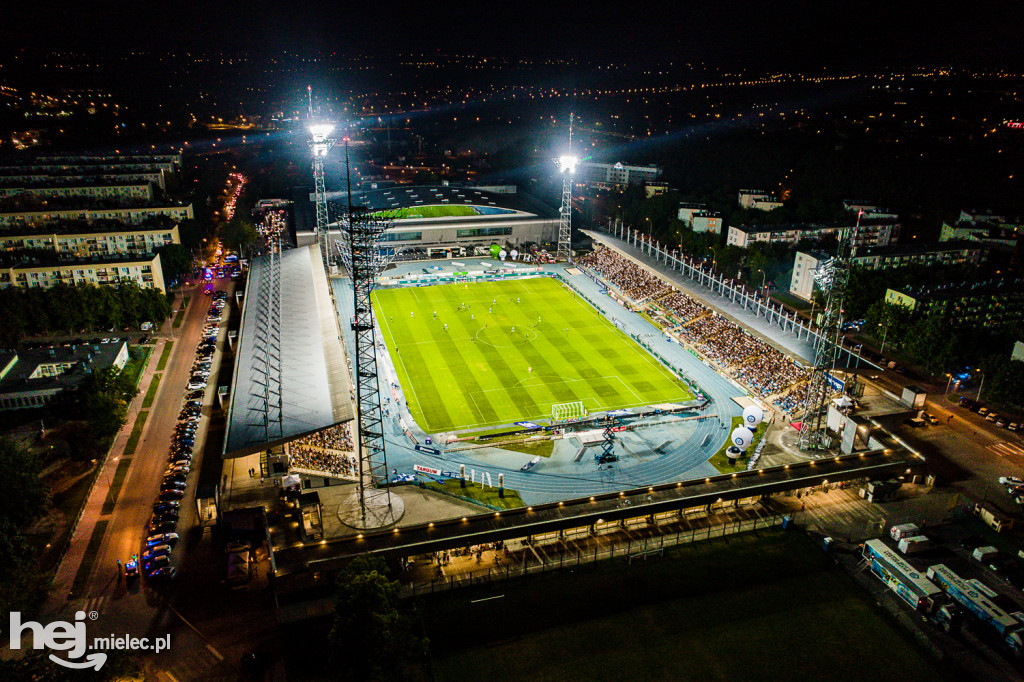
(40, 258)
(315, 381)
(86, 357)
(918, 248)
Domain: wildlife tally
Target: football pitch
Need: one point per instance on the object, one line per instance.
(429, 211)
(501, 352)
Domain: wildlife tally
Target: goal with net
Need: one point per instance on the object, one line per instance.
(573, 410)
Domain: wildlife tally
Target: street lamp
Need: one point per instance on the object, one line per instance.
(948, 382)
(885, 332)
(714, 258)
(980, 385)
(764, 276)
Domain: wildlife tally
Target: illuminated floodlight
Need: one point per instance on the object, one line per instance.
(320, 131)
(568, 163)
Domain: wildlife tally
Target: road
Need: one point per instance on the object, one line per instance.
(136, 609)
(966, 451)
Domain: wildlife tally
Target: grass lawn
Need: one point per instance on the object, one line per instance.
(85, 568)
(115, 485)
(154, 385)
(136, 434)
(509, 356)
(475, 491)
(180, 317)
(758, 606)
(543, 448)
(434, 211)
(138, 358)
(165, 356)
(722, 463)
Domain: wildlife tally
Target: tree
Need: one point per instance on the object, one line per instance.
(367, 620)
(175, 262)
(237, 234)
(23, 499)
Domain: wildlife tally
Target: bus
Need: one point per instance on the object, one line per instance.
(901, 577)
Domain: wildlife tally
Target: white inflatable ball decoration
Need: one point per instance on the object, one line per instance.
(741, 437)
(752, 415)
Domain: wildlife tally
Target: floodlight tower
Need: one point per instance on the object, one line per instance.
(372, 505)
(567, 164)
(832, 277)
(320, 144)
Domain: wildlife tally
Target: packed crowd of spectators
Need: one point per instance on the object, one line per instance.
(756, 363)
(770, 372)
(329, 451)
(682, 306)
(635, 282)
(793, 400)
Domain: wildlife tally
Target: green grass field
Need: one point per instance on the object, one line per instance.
(518, 348)
(434, 211)
(764, 606)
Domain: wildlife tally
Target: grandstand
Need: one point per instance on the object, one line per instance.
(428, 216)
(765, 370)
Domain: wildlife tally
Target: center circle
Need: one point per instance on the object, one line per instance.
(505, 337)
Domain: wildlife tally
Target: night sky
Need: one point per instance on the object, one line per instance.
(793, 35)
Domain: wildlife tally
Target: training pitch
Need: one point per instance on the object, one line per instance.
(514, 350)
(429, 211)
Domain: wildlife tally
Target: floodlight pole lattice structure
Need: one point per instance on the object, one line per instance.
(320, 144)
(374, 507)
(832, 278)
(567, 166)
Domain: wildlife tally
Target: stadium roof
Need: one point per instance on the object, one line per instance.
(487, 204)
(315, 384)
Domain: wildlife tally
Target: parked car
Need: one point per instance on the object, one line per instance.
(991, 417)
(173, 485)
(162, 539)
(930, 418)
(155, 551)
(1001, 421)
(163, 526)
(159, 561)
(163, 575)
(178, 469)
(161, 508)
(1013, 426)
(982, 411)
(196, 385)
(1011, 480)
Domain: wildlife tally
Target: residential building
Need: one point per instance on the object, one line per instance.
(871, 232)
(867, 209)
(990, 305)
(132, 215)
(32, 377)
(74, 241)
(615, 174)
(29, 270)
(65, 159)
(130, 191)
(700, 218)
(885, 258)
(654, 189)
(758, 199)
(804, 265)
(959, 252)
